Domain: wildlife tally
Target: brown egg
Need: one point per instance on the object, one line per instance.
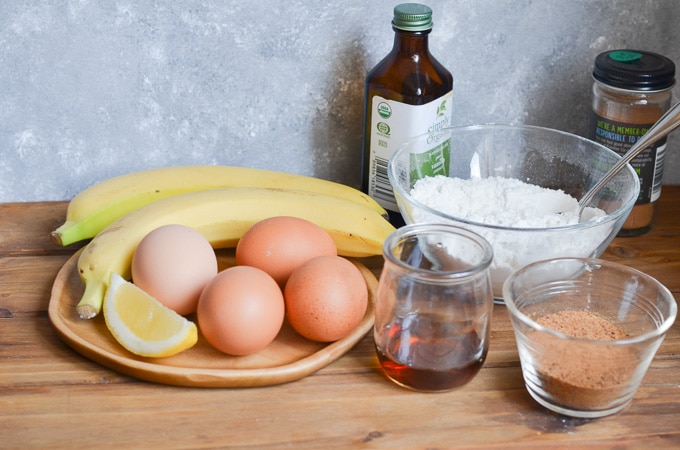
(173, 263)
(279, 245)
(326, 298)
(241, 310)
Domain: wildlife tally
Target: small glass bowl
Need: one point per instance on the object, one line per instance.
(586, 331)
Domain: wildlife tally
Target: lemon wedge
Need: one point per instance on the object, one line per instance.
(142, 325)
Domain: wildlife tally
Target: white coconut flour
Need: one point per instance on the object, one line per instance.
(500, 201)
(512, 203)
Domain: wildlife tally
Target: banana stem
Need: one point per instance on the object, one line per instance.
(93, 298)
(62, 236)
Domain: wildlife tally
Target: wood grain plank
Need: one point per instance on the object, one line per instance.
(51, 397)
(25, 228)
(26, 282)
(287, 416)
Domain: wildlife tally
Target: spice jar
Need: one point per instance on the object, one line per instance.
(631, 91)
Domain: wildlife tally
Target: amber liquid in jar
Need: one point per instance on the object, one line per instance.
(417, 362)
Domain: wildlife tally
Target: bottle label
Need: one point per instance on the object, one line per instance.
(620, 137)
(392, 124)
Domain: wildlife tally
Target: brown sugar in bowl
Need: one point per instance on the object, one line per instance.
(586, 332)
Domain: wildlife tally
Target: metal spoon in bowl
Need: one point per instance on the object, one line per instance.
(663, 127)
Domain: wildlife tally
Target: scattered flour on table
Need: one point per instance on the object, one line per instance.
(512, 203)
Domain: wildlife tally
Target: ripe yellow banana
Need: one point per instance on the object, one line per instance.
(222, 216)
(96, 207)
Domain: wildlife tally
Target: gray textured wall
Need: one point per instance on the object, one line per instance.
(92, 89)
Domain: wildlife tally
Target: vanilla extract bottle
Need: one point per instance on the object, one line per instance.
(409, 93)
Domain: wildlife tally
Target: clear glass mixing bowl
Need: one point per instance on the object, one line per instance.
(540, 156)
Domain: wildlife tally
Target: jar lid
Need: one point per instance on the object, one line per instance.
(412, 17)
(634, 70)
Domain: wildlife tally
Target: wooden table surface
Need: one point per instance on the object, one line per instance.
(52, 397)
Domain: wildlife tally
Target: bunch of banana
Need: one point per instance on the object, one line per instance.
(93, 209)
(222, 216)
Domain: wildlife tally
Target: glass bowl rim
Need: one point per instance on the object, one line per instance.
(609, 218)
(660, 330)
(423, 229)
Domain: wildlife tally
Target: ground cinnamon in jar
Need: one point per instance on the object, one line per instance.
(587, 375)
(632, 90)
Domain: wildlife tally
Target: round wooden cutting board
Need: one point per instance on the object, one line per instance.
(289, 357)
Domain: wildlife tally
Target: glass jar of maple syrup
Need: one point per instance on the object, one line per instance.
(434, 305)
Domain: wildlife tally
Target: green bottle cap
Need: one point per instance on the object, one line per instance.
(412, 17)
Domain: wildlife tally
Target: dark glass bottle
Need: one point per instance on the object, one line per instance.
(407, 94)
